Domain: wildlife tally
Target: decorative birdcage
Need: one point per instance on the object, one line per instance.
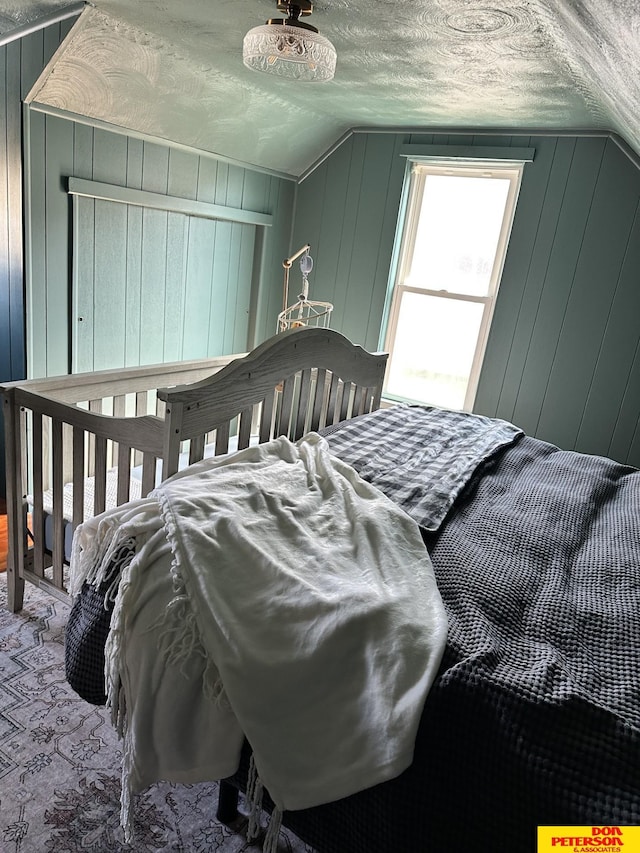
(303, 312)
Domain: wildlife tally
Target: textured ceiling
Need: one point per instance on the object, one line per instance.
(174, 70)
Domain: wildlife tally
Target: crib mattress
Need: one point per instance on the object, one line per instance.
(111, 494)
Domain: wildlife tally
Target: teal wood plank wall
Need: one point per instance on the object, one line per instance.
(156, 286)
(21, 61)
(153, 285)
(563, 356)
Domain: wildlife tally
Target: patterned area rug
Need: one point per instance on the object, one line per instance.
(60, 761)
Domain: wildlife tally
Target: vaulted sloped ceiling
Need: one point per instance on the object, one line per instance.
(174, 71)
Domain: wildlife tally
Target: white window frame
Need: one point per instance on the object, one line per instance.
(406, 237)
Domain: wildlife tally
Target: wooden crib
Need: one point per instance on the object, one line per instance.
(77, 444)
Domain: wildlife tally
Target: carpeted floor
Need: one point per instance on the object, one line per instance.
(60, 760)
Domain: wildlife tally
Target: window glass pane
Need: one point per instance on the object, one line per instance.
(433, 349)
(458, 233)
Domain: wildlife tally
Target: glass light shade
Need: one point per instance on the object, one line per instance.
(290, 52)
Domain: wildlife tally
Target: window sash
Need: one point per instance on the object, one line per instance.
(481, 341)
(418, 179)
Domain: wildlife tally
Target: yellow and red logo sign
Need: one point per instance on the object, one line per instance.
(589, 839)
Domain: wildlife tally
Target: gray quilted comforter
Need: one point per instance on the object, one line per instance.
(535, 716)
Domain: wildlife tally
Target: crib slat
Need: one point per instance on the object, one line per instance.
(141, 403)
(266, 417)
(67, 452)
(244, 428)
(359, 400)
(332, 401)
(359, 397)
(141, 409)
(78, 476)
(222, 439)
(299, 428)
(94, 406)
(318, 404)
(284, 415)
(119, 411)
(120, 406)
(148, 473)
(100, 482)
(124, 473)
(37, 522)
(346, 400)
(46, 451)
(196, 449)
(57, 487)
(370, 405)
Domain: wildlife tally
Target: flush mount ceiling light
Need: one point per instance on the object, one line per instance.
(289, 48)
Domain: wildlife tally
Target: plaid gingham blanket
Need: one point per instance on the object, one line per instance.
(419, 456)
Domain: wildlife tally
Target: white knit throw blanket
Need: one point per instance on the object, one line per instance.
(310, 598)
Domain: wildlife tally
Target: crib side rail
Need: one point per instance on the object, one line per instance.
(99, 433)
(102, 384)
(51, 448)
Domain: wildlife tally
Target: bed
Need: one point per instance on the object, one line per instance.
(530, 715)
(78, 444)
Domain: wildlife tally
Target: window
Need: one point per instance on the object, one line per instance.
(452, 246)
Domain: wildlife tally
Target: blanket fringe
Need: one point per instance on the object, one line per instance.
(270, 844)
(180, 639)
(255, 790)
(126, 796)
(118, 708)
(254, 801)
(116, 697)
(96, 544)
(212, 686)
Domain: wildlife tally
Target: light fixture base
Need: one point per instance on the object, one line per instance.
(291, 22)
(304, 7)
